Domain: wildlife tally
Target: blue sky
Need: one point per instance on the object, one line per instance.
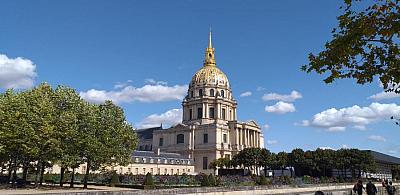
(142, 54)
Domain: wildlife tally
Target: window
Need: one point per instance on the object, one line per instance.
(190, 114)
(129, 170)
(144, 171)
(211, 113)
(225, 137)
(200, 92)
(180, 138)
(222, 93)
(223, 114)
(172, 171)
(191, 94)
(205, 163)
(205, 138)
(140, 147)
(161, 143)
(212, 92)
(199, 113)
(146, 147)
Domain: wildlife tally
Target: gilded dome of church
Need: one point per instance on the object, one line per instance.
(209, 74)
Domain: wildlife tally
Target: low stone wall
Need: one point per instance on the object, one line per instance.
(255, 190)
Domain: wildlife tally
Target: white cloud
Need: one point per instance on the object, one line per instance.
(128, 94)
(326, 148)
(245, 94)
(17, 73)
(260, 89)
(360, 127)
(355, 116)
(266, 126)
(120, 85)
(345, 146)
(281, 108)
(168, 118)
(336, 129)
(272, 142)
(154, 82)
(294, 95)
(377, 138)
(384, 95)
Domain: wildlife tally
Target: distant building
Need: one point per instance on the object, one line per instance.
(384, 164)
(209, 128)
(143, 162)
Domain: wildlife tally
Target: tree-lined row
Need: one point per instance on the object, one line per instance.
(42, 126)
(316, 163)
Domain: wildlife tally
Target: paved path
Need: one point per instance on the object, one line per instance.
(63, 191)
(104, 190)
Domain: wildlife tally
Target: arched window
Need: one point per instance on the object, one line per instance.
(200, 92)
(222, 93)
(180, 138)
(212, 92)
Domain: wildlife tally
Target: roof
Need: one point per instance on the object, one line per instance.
(148, 132)
(384, 157)
(162, 154)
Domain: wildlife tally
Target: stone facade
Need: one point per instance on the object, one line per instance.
(209, 128)
(143, 162)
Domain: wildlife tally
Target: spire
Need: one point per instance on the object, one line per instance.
(209, 58)
(209, 39)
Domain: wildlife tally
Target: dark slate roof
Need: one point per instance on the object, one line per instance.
(384, 157)
(147, 133)
(162, 154)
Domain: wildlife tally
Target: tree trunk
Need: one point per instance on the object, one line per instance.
(42, 172)
(85, 180)
(62, 171)
(14, 176)
(9, 172)
(71, 184)
(25, 170)
(265, 171)
(291, 171)
(38, 166)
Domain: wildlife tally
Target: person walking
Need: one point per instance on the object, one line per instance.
(371, 188)
(391, 190)
(358, 187)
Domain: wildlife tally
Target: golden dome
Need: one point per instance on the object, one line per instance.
(210, 75)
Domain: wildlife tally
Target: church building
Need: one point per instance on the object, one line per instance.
(209, 128)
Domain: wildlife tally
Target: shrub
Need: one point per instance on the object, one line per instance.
(114, 179)
(262, 181)
(204, 181)
(148, 181)
(211, 180)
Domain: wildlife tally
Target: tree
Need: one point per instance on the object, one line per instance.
(297, 161)
(282, 160)
(68, 106)
(149, 181)
(109, 139)
(265, 160)
(365, 45)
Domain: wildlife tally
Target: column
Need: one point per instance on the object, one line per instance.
(237, 136)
